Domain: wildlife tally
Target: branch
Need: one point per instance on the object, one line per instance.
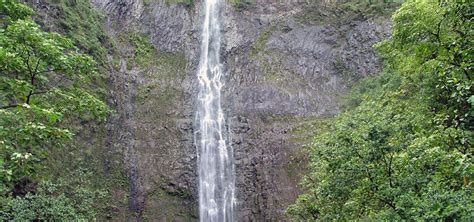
(10, 106)
(439, 28)
(390, 171)
(374, 186)
(40, 92)
(27, 62)
(36, 67)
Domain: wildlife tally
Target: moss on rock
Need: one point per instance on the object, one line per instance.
(337, 12)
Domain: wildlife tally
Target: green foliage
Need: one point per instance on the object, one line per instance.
(82, 24)
(437, 50)
(403, 149)
(144, 54)
(144, 51)
(241, 4)
(187, 3)
(12, 10)
(259, 44)
(52, 202)
(42, 85)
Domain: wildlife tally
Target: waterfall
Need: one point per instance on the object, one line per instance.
(215, 154)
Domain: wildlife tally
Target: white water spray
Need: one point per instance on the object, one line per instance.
(215, 155)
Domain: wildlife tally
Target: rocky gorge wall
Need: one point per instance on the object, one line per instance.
(288, 65)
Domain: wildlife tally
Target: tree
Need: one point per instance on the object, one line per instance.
(404, 152)
(43, 80)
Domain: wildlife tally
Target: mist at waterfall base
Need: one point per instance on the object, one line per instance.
(215, 155)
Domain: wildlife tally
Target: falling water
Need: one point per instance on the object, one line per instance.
(215, 155)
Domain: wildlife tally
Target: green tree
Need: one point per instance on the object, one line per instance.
(404, 151)
(43, 79)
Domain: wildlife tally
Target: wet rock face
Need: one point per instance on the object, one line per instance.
(280, 67)
(159, 154)
(281, 71)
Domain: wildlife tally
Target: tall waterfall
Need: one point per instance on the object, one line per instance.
(215, 155)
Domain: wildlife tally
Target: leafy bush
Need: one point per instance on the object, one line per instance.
(52, 203)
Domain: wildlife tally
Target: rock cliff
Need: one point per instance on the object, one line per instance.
(287, 66)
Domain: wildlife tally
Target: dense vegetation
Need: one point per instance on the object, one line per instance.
(43, 91)
(403, 148)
